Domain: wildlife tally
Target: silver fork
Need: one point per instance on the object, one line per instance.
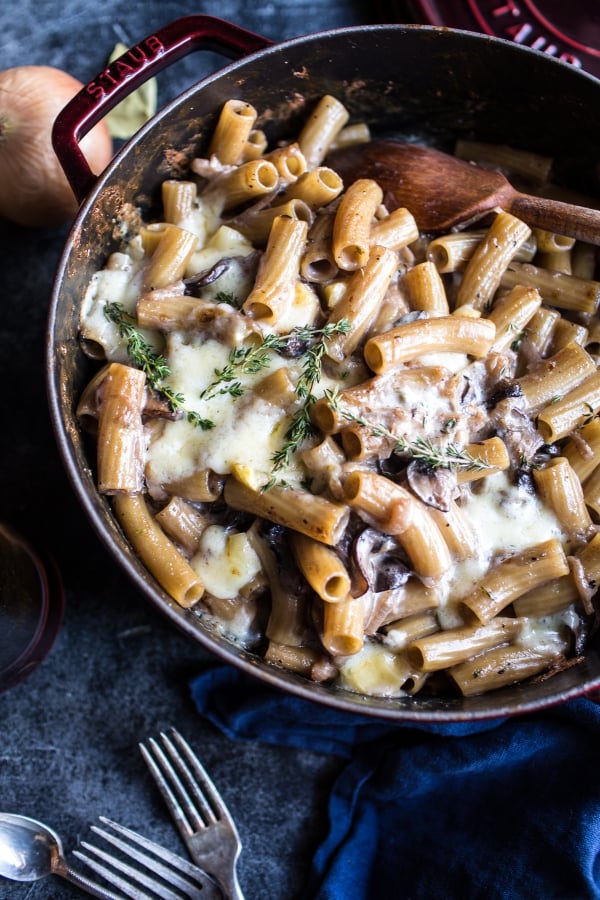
(162, 873)
(197, 808)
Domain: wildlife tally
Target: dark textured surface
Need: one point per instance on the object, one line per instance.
(118, 672)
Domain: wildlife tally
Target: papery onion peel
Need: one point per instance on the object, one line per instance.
(34, 191)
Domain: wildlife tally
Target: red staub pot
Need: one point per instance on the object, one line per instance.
(433, 83)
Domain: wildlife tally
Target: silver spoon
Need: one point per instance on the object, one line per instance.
(30, 850)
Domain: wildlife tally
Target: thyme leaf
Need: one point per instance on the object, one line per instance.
(448, 456)
(153, 364)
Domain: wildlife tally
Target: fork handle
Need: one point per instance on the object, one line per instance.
(231, 887)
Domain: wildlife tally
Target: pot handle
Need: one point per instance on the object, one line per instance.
(134, 67)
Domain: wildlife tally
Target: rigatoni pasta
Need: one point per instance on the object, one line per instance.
(368, 454)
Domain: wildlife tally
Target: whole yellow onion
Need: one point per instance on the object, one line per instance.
(34, 191)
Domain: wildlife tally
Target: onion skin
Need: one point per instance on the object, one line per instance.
(34, 191)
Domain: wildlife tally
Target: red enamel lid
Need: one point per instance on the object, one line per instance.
(567, 31)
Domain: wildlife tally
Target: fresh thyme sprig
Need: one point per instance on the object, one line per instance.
(250, 360)
(299, 430)
(242, 361)
(154, 366)
(301, 427)
(448, 456)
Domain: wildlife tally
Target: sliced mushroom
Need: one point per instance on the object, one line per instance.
(379, 574)
(435, 487)
(241, 268)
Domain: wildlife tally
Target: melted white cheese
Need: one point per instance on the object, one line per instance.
(225, 561)
(504, 520)
(374, 670)
(115, 285)
(508, 519)
(247, 430)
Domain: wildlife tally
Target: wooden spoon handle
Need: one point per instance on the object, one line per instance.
(561, 218)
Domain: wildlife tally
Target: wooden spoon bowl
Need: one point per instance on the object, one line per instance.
(442, 191)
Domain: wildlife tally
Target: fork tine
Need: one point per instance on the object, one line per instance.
(201, 784)
(128, 889)
(197, 783)
(164, 782)
(135, 876)
(191, 792)
(178, 867)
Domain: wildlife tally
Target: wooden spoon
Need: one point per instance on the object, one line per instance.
(442, 191)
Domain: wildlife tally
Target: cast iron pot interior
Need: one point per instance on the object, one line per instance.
(423, 83)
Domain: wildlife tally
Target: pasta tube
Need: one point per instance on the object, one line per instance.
(344, 627)
(362, 298)
(559, 290)
(352, 224)
(514, 576)
(179, 199)
(448, 648)
(120, 447)
(157, 552)
(559, 486)
(257, 225)
(234, 125)
(316, 188)
(511, 315)
(398, 512)
(548, 598)
(451, 252)
(322, 127)
(492, 452)
(390, 505)
(534, 167)
(426, 289)
(562, 416)
(276, 279)
(454, 334)
(500, 667)
(249, 181)
(556, 376)
(170, 258)
(396, 230)
(540, 329)
(182, 523)
(289, 161)
(294, 508)
(322, 568)
(490, 259)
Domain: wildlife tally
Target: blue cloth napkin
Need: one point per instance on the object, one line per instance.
(490, 810)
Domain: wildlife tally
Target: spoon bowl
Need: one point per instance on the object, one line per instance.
(30, 850)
